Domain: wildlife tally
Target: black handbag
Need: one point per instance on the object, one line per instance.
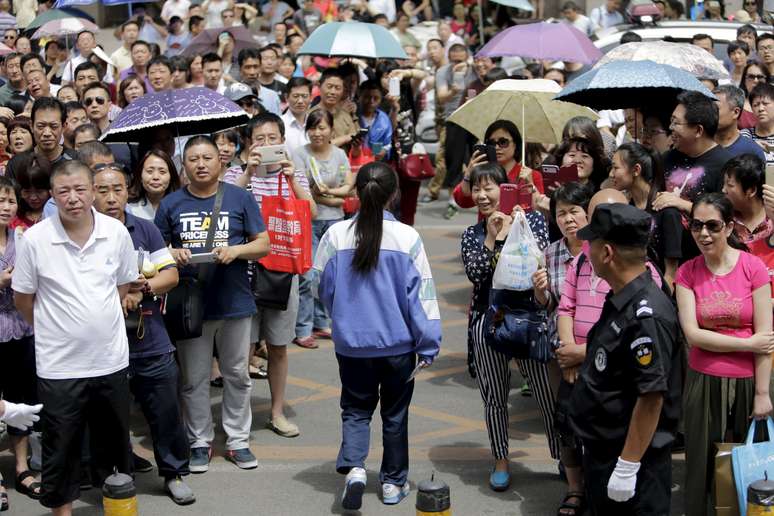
(518, 333)
(271, 289)
(184, 306)
(184, 315)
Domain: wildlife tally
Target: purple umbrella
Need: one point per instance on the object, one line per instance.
(187, 112)
(207, 40)
(549, 41)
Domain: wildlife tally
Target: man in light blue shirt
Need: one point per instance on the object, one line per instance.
(607, 16)
(249, 60)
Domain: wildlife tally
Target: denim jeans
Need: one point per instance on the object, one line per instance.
(311, 312)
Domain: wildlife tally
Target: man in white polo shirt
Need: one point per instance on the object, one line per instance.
(72, 271)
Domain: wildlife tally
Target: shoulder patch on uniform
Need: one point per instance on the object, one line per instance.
(600, 360)
(643, 350)
(644, 311)
(643, 302)
(616, 328)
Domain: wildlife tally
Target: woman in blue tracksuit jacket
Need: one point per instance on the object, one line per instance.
(373, 276)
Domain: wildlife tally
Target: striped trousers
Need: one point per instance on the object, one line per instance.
(494, 381)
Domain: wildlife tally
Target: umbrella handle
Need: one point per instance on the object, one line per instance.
(523, 137)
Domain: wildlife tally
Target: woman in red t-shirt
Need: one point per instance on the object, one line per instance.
(504, 136)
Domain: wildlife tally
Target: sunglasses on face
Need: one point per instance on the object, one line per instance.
(500, 142)
(91, 100)
(756, 77)
(713, 226)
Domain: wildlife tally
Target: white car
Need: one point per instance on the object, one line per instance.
(679, 31)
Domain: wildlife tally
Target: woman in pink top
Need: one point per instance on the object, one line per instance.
(723, 299)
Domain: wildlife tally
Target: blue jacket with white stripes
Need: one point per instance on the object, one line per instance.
(388, 311)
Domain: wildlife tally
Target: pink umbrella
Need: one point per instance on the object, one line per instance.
(64, 26)
(546, 41)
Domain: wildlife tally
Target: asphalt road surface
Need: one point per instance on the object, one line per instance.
(447, 432)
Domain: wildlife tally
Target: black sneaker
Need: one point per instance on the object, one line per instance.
(141, 465)
(85, 483)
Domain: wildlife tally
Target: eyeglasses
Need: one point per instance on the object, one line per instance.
(713, 226)
(650, 133)
(766, 48)
(91, 100)
(99, 167)
(756, 77)
(500, 142)
(674, 123)
(10, 36)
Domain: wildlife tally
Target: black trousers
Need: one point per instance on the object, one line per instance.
(364, 383)
(68, 405)
(18, 381)
(653, 491)
(154, 384)
(458, 144)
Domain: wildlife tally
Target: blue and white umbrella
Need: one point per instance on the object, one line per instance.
(630, 84)
(353, 39)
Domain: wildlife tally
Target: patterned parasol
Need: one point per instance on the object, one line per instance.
(690, 58)
(188, 112)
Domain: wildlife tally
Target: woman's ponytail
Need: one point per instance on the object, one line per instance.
(376, 184)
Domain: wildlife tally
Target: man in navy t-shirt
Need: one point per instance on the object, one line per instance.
(184, 218)
(730, 105)
(153, 373)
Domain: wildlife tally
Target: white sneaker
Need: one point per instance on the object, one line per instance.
(354, 485)
(392, 494)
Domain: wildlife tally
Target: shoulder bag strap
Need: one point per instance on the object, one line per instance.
(205, 270)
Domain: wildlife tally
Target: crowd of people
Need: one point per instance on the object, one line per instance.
(656, 261)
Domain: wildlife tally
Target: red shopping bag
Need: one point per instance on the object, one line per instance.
(289, 223)
(364, 158)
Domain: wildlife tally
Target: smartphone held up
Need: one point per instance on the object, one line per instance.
(512, 195)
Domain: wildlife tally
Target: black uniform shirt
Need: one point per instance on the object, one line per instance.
(632, 350)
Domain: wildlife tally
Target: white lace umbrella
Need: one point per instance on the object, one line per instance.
(690, 58)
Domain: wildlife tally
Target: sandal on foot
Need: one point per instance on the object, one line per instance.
(32, 490)
(572, 509)
(3, 497)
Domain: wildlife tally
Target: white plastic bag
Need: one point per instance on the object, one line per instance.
(519, 259)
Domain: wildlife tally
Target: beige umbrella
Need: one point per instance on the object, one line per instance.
(528, 104)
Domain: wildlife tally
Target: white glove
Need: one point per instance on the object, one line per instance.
(19, 415)
(620, 487)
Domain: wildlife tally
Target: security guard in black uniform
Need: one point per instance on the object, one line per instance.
(626, 402)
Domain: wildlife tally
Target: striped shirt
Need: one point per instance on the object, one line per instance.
(558, 259)
(7, 21)
(584, 295)
(266, 186)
